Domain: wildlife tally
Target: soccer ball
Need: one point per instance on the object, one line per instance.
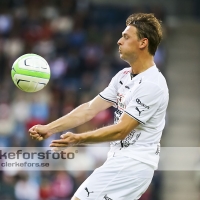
(30, 72)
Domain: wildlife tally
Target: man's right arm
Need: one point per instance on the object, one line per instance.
(76, 117)
(79, 115)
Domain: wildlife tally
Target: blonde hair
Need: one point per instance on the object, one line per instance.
(148, 26)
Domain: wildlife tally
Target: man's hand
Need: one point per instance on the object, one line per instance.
(39, 132)
(67, 139)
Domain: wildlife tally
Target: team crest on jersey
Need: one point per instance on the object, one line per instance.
(120, 101)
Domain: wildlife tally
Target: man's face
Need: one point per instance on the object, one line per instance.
(129, 44)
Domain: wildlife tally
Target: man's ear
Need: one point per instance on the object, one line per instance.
(143, 43)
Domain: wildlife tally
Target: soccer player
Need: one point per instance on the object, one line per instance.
(140, 94)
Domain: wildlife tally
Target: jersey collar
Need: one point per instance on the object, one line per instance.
(148, 71)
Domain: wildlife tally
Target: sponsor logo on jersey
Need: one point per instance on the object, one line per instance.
(139, 111)
(127, 87)
(120, 102)
(86, 189)
(142, 104)
(158, 149)
(126, 72)
(107, 198)
(126, 141)
(117, 115)
(136, 138)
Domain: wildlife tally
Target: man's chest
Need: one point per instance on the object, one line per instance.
(125, 92)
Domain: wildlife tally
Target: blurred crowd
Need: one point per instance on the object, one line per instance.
(79, 41)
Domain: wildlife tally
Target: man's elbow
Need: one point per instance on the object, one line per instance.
(122, 135)
(124, 128)
(123, 132)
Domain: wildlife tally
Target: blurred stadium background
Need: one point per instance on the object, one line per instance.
(78, 39)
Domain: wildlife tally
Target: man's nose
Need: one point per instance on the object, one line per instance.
(119, 42)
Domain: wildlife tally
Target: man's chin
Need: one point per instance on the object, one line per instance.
(122, 57)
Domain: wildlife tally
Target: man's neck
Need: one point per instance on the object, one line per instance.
(141, 65)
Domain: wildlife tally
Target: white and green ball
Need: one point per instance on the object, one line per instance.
(30, 72)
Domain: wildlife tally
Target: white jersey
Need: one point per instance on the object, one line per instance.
(144, 98)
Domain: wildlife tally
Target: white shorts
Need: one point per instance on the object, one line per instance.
(119, 178)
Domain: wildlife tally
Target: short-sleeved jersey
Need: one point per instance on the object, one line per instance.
(145, 98)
